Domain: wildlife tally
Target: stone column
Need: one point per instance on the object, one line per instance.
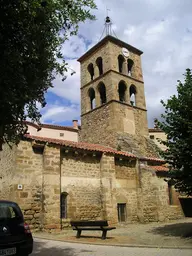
(51, 187)
(97, 98)
(108, 188)
(127, 95)
(125, 70)
(96, 71)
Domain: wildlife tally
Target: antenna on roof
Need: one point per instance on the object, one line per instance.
(108, 26)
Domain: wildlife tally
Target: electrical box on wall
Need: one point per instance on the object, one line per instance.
(19, 186)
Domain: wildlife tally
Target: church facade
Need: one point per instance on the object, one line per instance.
(113, 172)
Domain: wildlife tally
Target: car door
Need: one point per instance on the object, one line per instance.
(11, 223)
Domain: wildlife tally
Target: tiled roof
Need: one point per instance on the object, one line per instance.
(52, 126)
(80, 145)
(152, 159)
(160, 168)
(155, 130)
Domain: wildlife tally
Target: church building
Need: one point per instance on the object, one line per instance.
(112, 171)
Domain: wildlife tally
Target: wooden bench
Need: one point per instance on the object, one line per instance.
(91, 225)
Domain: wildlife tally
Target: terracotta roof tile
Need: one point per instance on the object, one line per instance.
(160, 168)
(52, 126)
(80, 145)
(155, 130)
(152, 159)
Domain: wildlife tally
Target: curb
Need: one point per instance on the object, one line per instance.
(116, 245)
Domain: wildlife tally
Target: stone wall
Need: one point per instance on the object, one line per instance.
(28, 173)
(51, 187)
(94, 183)
(80, 179)
(7, 169)
(126, 186)
(96, 127)
(156, 135)
(153, 198)
(118, 126)
(108, 188)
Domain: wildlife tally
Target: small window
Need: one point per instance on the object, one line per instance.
(120, 63)
(130, 67)
(102, 92)
(132, 94)
(152, 137)
(122, 91)
(99, 63)
(63, 205)
(122, 215)
(91, 93)
(91, 70)
(61, 134)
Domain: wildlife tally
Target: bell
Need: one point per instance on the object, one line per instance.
(108, 19)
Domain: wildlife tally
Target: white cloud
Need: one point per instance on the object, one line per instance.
(70, 88)
(58, 113)
(74, 47)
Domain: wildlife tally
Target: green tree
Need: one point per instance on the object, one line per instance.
(31, 37)
(177, 125)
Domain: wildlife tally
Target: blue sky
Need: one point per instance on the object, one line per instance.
(161, 29)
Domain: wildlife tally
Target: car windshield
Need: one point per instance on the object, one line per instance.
(9, 211)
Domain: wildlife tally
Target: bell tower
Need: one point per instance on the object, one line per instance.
(112, 92)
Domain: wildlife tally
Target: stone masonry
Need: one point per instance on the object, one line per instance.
(95, 183)
(108, 123)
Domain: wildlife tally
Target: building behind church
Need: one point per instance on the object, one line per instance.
(107, 168)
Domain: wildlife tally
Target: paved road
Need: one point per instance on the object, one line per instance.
(54, 248)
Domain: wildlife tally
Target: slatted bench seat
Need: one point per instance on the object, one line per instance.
(91, 225)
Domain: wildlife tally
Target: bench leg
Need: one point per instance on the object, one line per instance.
(104, 234)
(78, 233)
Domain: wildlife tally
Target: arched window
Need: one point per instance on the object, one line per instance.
(92, 98)
(99, 63)
(91, 70)
(63, 205)
(102, 92)
(120, 62)
(130, 66)
(122, 89)
(132, 93)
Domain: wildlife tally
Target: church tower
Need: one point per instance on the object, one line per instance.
(112, 93)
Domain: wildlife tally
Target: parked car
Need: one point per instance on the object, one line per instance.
(15, 234)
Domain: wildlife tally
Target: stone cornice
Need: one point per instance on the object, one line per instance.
(112, 101)
(114, 71)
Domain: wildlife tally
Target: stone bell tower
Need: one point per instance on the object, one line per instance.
(112, 92)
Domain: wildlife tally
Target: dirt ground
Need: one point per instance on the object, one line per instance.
(175, 234)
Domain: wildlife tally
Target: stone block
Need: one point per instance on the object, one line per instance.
(29, 212)
(37, 215)
(52, 226)
(57, 191)
(26, 207)
(23, 194)
(28, 217)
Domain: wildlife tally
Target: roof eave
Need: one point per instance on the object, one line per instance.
(111, 39)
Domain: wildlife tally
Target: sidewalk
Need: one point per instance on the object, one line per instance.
(173, 234)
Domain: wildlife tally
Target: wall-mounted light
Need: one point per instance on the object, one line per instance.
(19, 186)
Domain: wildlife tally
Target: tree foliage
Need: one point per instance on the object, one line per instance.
(31, 36)
(177, 125)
